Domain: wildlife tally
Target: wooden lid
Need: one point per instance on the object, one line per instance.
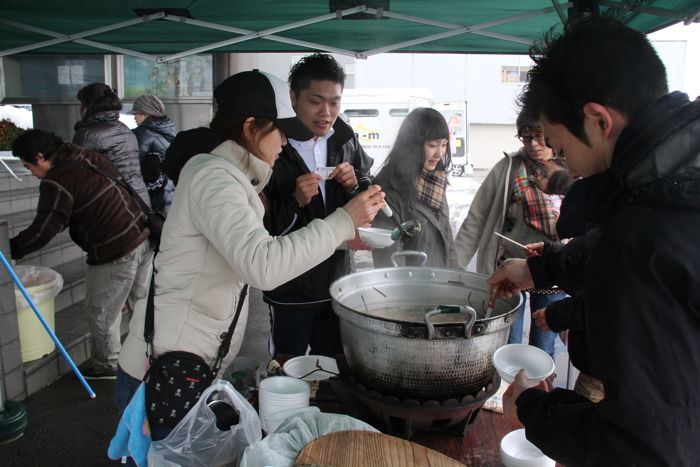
(365, 448)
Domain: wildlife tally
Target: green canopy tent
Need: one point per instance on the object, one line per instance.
(169, 30)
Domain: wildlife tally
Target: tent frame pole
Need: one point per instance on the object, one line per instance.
(454, 29)
(80, 35)
(263, 33)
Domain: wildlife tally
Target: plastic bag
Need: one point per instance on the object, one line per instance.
(197, 441)
(41, 283)
(282, 447)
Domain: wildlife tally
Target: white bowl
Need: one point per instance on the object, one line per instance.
(511, 358)
(306, 364)
(517, 451)
(375, 238)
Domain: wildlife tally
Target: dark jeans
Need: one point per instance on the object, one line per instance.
(538, 336)
(294, 328)
(157, 197)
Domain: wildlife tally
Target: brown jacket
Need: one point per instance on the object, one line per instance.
(102, 216)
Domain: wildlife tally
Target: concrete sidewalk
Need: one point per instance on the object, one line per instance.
(66, 427)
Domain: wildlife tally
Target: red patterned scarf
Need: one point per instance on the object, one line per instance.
(540, 210)
(431, 188)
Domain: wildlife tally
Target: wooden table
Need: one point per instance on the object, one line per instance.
(478, 448)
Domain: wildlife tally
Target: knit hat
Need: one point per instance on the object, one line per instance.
(259, 94)
(148, 104)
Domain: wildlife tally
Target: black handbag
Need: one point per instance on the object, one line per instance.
(154, 219)
(175, 380)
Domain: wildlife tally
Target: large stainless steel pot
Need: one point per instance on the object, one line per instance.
(391, 342)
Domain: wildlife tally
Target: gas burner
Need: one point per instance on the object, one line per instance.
(404, 416)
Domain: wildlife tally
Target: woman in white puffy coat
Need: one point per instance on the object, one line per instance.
(214, 240)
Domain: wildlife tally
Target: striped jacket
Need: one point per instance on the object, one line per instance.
(103, 218)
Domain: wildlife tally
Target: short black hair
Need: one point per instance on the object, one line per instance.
(98, 97)
(599, 60)
(321, 67)
(31, 142)
(527, 121)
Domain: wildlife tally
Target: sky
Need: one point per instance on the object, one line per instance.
(690, 79)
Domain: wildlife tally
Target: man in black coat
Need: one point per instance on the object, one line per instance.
(310, 180)
(600, 91)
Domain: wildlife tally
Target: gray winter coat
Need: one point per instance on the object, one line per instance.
(104, 133)
(435, 239)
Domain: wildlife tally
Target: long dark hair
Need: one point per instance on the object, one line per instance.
(407, 157)
(98, 97)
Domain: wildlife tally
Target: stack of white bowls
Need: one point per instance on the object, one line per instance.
(279, 397)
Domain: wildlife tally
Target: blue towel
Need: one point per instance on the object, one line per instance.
(133, 437)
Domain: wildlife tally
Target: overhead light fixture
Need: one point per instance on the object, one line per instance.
(339, 5)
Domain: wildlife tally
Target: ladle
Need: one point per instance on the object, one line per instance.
(406, 231)
(390, 214)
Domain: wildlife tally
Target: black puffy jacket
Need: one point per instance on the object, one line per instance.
(104, 133)
(567, 262)
(284, 214)
(154, 136)
(642, 305)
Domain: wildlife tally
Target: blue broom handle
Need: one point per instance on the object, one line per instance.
(45, 324)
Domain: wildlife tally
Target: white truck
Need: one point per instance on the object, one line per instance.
(376, 115)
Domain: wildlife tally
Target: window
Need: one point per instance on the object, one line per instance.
(361, 113)
(187, 77)
(398, 112)
(514, 74)
(51, 76)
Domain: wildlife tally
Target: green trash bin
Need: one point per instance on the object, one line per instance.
(42, 284)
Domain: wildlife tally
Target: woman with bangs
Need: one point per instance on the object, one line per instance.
(414, 179)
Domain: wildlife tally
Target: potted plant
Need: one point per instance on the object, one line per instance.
(8, 133)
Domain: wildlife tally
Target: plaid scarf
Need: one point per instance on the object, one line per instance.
(539, 209)
(431, 188)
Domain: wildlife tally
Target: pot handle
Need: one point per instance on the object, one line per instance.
(441, 309)
(396, 254)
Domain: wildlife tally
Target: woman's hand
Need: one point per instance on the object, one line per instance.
(540, 318)
(357, 243)
(363, 207)
(513, 275)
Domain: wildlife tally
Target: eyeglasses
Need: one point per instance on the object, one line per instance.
(539, 137)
